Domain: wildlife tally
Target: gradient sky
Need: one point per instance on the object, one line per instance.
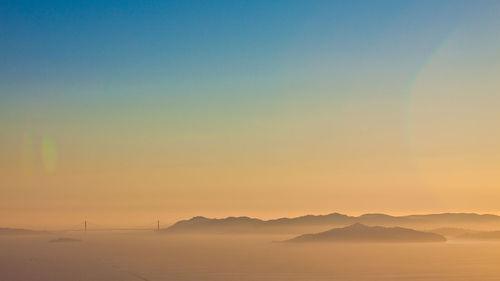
(125, 112)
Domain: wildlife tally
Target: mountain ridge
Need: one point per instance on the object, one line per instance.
(244, 224)
(20, 231)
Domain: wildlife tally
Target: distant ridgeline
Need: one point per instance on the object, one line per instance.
(18, 231)
(303, 224)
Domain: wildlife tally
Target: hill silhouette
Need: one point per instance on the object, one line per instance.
(362, 233)
(453, 232)
(65, 240)
(19, 231)
(199, 224)
(481, 235)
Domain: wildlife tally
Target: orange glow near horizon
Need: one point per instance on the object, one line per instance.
(394, 121)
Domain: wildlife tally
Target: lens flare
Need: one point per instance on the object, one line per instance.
(49, 154)
(452, 117)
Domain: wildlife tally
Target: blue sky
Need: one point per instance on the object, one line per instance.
(99, 46)
(232, 106)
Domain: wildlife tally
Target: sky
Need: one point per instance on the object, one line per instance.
(125, 112)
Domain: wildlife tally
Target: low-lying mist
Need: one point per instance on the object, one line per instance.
(149, 255)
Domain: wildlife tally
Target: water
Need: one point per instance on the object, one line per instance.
(148, 256)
